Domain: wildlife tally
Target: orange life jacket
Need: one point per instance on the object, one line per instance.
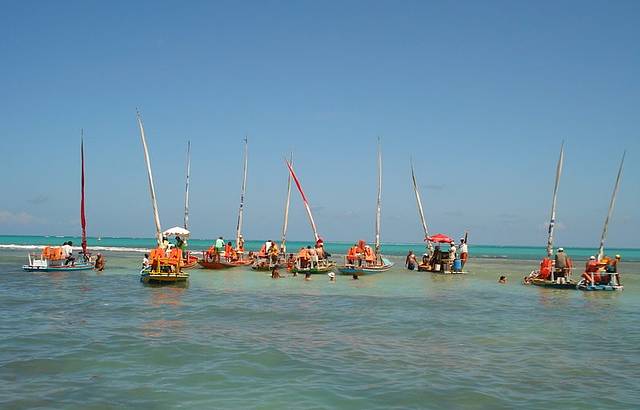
(545, 268)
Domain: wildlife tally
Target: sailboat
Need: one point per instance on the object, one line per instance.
(163, 268)
(213, 260)
(376, 262)
(52, 258)
(435, 260)
(263, 263)
(546, 275)
(305, 263)
(609, 281)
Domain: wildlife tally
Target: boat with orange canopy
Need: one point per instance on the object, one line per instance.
(165, 267)
(54, 258)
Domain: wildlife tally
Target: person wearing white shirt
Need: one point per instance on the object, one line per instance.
(464, 251)
(67, 252)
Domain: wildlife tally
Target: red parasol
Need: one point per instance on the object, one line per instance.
(440, 238)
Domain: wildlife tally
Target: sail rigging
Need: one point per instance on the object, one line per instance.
(378, 202)
(286, 210)
(304, 200)
(552, 220)
(152, 190)
(186, 194)
(420, 210)
(242, 193)
(611, 206)
(83, 219)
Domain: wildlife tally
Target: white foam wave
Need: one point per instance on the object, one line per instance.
(90, 248)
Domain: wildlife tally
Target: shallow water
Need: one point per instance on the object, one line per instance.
(238, 339)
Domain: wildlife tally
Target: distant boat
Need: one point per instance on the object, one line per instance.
(163, 268)
(211, 260)
(547, 276)
(609, 281)
(374, 263)
(435, 260)
(52, 258)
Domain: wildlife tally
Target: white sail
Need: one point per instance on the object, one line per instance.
(186, 194)
(420, 210)
(611, 205)
(286, 210)
(152, 190)
(242, 193)
(552, 220)
(379, 201)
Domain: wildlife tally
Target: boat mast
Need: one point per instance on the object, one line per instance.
(378, 202)
(186, 195)
(552, 220)
(242, 192)
(83, 220)
(421, 211)
(286, 210)
(304, 200)
(611, 205)
(152, 190)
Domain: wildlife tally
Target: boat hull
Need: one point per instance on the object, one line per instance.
(366, 270)
(314, 271)
(222, 264)
(60, 268)
(599, 288)
(164, 278)
(551, 284)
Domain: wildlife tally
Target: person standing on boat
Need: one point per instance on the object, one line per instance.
(164, 244)
(452, 254)
(240, 245)
(612, 271)
(464, 251)
(67, 253)
(410, 261)
(313, 256)
(561, 265)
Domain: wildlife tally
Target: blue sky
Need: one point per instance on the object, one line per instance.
(481, 94)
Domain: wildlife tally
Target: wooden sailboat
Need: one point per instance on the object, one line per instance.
(609, 281)
(212, 261)
(163, 268)
(304, 263)
(379, 263)
(435, 260)
(546, 275)
(263, 263)
(52, 258)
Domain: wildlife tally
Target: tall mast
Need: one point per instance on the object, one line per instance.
(286, 210)
(379, 201)
(83, 220)
(611, 205)
(242, 192)
(304, 200)
(152, 189)
(186, 194)
(420, 210)
(552, 220)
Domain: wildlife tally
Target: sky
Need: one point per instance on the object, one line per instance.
(479, 94)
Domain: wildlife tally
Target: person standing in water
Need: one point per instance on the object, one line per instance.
(100, 262)
(410, 261)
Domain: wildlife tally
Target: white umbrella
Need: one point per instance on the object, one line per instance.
(177, 231)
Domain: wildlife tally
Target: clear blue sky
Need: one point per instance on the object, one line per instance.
(480, 93)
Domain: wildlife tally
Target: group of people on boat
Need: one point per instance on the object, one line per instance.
(603, 272)
(440, 260)
(360, 254)
(227, 251)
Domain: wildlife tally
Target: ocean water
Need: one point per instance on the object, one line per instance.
(339, 248)
(239, 339)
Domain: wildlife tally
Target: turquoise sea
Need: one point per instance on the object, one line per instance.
(239, 339)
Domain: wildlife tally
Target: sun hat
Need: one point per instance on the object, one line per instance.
(592, 257)
(560, 249)
(331, 275)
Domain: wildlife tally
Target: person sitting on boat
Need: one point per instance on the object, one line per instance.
(591, 271)
(562, 264)
(313, 256)
(320, 250)
(267, 246)
(369, 256)
(436, 258)
(274, 252)
(410, 261)
(67, 253)
(165, 243)
(464, 251)
(352, 255)
(425, 261)
(145, 261)
(100, 262)
(227, 251)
